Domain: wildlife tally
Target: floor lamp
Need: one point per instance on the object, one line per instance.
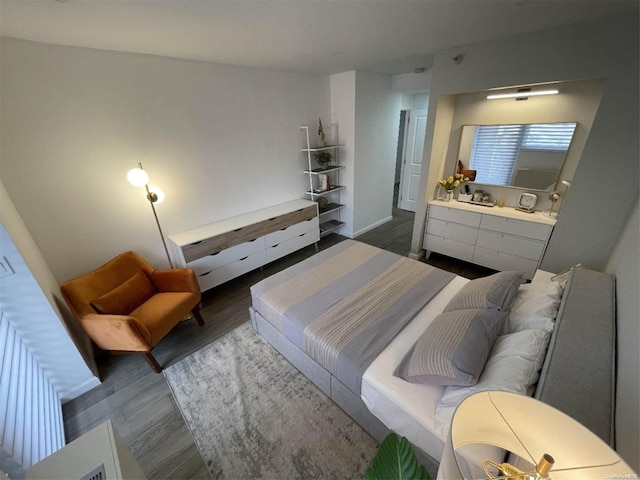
(139, 178)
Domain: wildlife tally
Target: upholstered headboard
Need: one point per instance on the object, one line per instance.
(579, 373)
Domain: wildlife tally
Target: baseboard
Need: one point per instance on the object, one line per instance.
(80, 389)
(371, 227)
(417, 256)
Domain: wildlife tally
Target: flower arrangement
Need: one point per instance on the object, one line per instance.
(453, 181)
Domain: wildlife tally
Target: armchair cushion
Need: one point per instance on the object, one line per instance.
(117, 332)
(127, 296)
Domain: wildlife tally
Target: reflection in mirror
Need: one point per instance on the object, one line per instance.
(526, 156)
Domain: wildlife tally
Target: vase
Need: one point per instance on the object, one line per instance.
(448, 196)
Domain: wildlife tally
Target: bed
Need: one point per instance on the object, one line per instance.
(340, 283)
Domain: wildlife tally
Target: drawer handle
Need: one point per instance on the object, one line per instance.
(309, 219)
(272, 219)
(244, 258)
(252, 240)
(283, 229)
(302, 234)
(274, 246)
(214, 254)
(196, 243)
(300, 209)
(203, 274)
(238, 229)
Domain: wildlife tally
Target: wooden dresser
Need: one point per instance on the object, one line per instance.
(499, 238)
(229, 248)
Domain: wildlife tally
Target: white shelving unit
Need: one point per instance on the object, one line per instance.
(329, 210)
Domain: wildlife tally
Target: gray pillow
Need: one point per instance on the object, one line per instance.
(496, 291)
(453, 349)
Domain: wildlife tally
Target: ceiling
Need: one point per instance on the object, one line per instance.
(306, 36)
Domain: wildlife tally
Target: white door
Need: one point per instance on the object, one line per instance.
(415, 127)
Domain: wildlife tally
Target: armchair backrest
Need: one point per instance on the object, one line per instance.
(80, 292)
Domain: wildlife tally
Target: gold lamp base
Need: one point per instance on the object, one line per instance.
(509, 472)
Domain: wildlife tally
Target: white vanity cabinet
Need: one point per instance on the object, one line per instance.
(499, 238)
(223, 250)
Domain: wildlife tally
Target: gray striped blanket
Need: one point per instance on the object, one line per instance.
(344, 305)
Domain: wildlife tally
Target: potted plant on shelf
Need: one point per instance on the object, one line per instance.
(324, 158)
(452, 182)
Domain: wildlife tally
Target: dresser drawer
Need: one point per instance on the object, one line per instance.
(205, 247)
(226, 256)
(244, 234)
(292, 231)
(231, 270)
(522, 228)
(281, 249)
(281, 221)
(521, 247)
(504, 261)
(448, 247)
(455, 215)
(452, 231)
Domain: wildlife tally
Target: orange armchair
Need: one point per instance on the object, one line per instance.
(127, 305)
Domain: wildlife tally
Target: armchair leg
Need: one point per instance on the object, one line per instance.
(151, 360)
(196, 313)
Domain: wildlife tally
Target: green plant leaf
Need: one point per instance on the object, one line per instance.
(395, 460)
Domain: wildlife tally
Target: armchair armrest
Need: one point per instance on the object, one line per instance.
(175, 280)
(117, 332)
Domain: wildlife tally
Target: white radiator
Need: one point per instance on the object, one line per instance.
(31, 425)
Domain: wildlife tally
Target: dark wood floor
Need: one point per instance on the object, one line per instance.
(139, 401)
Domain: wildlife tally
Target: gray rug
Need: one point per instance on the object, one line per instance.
(253, 415)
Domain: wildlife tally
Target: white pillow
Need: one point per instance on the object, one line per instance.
(513, 366)
(535, 307)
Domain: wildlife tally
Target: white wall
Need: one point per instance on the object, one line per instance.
(377, 119)
(31, 302)
(594, 215)
(219, 140)
(625, 264)
(343, 112)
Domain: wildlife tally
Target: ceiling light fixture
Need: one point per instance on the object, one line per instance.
(523, 93)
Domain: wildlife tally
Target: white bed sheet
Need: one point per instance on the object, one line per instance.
(408, 408)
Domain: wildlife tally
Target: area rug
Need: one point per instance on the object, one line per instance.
(253, 415)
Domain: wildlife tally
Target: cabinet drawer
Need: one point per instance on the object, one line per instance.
(227, 272)
(454, 215)
(281, 249)
(521, 247)
(452, 231)
(292, 231)
(200, 249)
(504, 261)
(244, 234)
(449, 247)
(522, 228)
(276, 223)
(226, 256)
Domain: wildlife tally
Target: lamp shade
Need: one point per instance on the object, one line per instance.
(137, 177)
(530, 429)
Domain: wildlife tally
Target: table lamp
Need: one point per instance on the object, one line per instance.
(510, 436)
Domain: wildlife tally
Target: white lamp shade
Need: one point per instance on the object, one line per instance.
(159, 194)
(530, 428)
(137, 177)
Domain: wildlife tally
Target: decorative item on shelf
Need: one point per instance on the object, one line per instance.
(324, 158)
(139, 178)
(453, 181)
(321, 132)
(465, 197)
(324, 182)
(526, 202)
(529, 434)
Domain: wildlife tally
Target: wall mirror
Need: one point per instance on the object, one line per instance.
(525, 156)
